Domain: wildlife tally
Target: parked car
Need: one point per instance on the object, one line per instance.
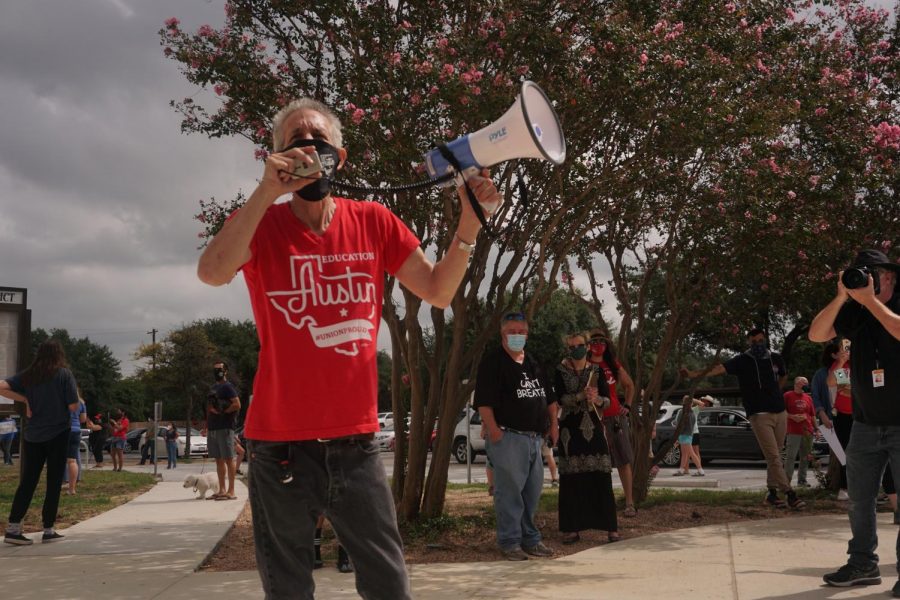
(386, 419)
(385, 438)
(392, 443)
(725, 434)
(132, 440)
(198, 442)
(459, 446)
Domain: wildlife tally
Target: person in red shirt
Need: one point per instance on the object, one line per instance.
(119, 431)
(616, 417)
(800, 415)
(314, 268)
(842, 405)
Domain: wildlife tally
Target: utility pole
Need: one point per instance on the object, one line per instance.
(157, 407)
(152, 333)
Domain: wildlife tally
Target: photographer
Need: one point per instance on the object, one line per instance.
(222, 406)
(865, 311)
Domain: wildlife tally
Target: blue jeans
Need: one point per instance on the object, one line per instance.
(291, 484)
(868, 452)
(518, 480)
(172, 452)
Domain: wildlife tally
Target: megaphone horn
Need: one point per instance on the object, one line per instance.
(529, 129)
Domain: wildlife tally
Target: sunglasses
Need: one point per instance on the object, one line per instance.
(596, 341)
(517, 316)
(577, 346)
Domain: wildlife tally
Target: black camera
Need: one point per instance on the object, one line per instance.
(858, 277)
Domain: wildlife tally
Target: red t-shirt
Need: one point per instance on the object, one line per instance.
(122, 431)
(317, 303)
(614, 406)
(799, 404)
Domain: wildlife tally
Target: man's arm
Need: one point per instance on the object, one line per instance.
(437, 283)
(888, 318)
(7, 392)
(718, 369)
(489, 423)
(553, 413)
(234, 406)
(229, 250)
(822, 327)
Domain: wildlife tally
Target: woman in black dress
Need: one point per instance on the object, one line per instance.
(586, 499)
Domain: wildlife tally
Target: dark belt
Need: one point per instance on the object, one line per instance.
(528, 433)
(347, 439)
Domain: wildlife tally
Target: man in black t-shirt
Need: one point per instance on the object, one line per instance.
(222, 407)
(869, 317)
(517, 409)
(760, 374)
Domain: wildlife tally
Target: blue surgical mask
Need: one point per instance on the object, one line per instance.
(515, 342)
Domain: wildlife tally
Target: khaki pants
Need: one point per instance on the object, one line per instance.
(769, 429)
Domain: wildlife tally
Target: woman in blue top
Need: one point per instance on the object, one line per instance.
(47, 388)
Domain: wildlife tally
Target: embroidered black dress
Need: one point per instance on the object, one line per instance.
(586, 499)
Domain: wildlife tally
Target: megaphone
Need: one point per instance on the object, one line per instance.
(529, 129)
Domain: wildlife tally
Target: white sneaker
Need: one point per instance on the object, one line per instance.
(843, 496)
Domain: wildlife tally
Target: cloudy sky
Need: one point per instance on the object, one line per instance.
(97, 184)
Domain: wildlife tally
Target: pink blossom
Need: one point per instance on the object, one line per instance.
(791, 195)
(395, 58)
(262, 132)
(406, 25)
(205, 31)
(447, 69)
(220, 88)
(729, 7)
(434, 90)
(886, 135)
(522, 70)
(748, 214)
(644, 58)
(772, 218)
(814, 180)
(721, 207)
(443, 43)
(764, 287)
(821, 111)
(802, 255)
(730, 118)
(357, 116)
(172, 22)
(761, 67)
(260, 154)
(415, 99)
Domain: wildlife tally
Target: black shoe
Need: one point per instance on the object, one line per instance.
(17, 539)
(896, 590)
(794, 502)
(849, 575)
(51, 537)
(772, 499)
(343, 564)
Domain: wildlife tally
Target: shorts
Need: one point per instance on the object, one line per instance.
(695, 440)
(618, 437)
(686, 439)
(220, 443)
(74, 445)
(546, 450)
(117, 442)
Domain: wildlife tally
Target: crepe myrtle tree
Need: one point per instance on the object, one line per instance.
(668, 109)
(403, 76)
(734, 192)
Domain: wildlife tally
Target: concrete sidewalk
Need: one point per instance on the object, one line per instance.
(151, 547)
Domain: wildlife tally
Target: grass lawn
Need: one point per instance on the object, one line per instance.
(98, 492)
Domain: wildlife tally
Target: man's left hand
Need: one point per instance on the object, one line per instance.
(624, 411)
(865, 295)
(487, 196)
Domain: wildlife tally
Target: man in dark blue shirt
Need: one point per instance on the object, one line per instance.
(222, 407)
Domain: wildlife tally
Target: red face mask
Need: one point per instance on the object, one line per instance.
(598, 349)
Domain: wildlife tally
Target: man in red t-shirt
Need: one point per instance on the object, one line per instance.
(800, 415)
(315, 269)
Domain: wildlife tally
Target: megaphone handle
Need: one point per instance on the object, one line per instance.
(448, 156)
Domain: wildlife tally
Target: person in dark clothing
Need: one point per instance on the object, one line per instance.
(97, 439)
(760, 374)
(870, 318)
(48, 389)
(586, 499)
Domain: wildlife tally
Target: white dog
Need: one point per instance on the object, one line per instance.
(203, 483)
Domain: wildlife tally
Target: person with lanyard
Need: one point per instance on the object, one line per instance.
(868, 315)
(517, 409)
(617, 416)
(760, 374)
(586, 499)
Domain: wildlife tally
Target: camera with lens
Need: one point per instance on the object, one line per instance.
(858, 277)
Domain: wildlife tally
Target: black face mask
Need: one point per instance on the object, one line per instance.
(219, 374)
(329, 157)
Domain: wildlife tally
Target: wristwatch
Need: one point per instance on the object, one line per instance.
(463, 245)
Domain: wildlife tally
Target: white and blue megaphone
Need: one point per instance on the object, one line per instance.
(529, 129)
